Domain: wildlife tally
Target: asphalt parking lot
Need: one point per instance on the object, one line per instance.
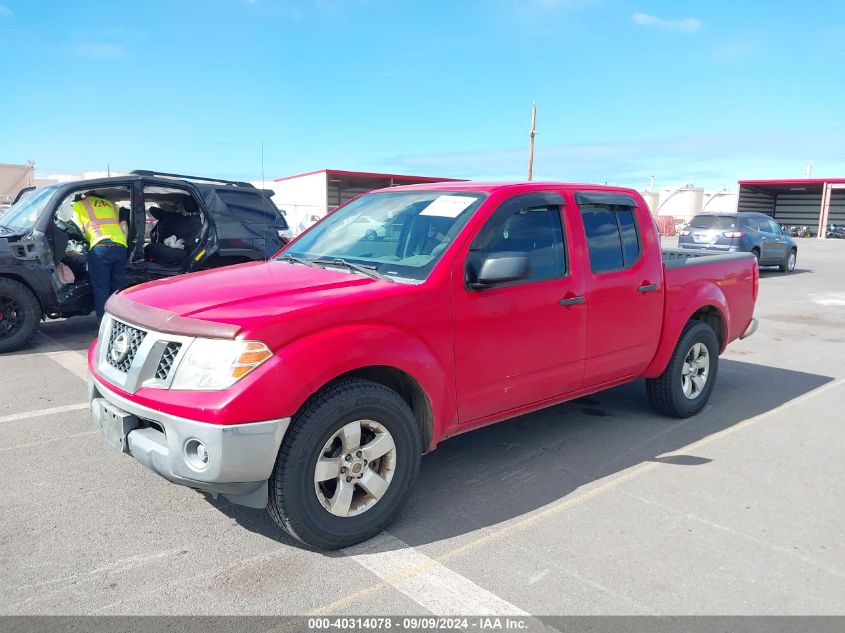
(598, 506)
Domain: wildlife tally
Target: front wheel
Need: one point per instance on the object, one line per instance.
(684, 387)
(20, 314)
(346, 465)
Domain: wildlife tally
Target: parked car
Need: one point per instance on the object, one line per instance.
(312, 384)
(235, 222)
(743, 232)
(307, 222)
(362, 227)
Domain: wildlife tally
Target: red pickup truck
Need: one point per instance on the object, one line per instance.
(312, 383)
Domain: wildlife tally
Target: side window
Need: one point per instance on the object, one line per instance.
(254, 208)
(630, 235)
(613, 237)
(535, 231)
(774, 228)
(765, 225)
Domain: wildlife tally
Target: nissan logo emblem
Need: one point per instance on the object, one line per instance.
(119, 347)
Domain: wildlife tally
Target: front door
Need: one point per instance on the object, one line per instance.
(521, 342)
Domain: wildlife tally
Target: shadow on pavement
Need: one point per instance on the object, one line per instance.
(500, 472)
(769, 271)
(76, 333)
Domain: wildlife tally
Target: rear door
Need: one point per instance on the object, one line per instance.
(522, 342)
(767, 240)
(624, 287)
(779, 245)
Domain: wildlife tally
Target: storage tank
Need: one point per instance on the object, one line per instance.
(682, 202)
(652, 199)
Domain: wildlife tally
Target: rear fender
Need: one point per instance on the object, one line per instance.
(311, 362)
(690, 298)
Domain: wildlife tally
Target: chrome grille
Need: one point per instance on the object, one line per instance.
(130, 337)
(166, 362)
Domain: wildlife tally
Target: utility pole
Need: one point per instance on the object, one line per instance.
(531, 136)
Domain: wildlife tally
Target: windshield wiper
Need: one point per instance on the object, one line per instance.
(364, 269)
(296, 260)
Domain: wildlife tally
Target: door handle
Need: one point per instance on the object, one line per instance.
(647, 288)
(571, 301)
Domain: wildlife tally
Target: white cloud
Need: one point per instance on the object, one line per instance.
(100, 51)
(5, 12)
(688, 25)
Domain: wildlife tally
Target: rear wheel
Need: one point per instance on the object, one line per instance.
(788, 264)
(370, 235)
(20, 314)
(684, 387)
(346, 465)
(756, 253)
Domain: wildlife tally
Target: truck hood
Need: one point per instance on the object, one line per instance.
(241, 294)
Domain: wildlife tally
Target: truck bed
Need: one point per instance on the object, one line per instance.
(679, 257)
(725, 281)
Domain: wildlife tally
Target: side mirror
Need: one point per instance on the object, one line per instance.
(498, 268)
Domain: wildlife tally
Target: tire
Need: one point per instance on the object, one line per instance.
(300, 504)
(788, 264)
(20, 315)
(756, 253)
(670, 393)
(370, 235)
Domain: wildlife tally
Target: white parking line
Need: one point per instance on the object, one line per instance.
(427, 582)
(14, 417)
(75, 362)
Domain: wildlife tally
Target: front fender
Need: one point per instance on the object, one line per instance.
(309, 363)
(682, 302)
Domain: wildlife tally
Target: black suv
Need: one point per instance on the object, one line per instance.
(744, 232)
(210, 223)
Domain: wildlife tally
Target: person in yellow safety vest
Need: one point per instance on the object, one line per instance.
(105, 233)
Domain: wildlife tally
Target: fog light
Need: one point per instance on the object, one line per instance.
(196, 454)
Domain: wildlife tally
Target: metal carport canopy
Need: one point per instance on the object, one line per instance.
(813, 202)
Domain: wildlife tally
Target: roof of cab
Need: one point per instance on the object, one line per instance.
(489, 187)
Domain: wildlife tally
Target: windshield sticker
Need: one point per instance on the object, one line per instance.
(448, 206)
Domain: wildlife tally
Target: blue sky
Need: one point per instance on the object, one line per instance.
(711, 91)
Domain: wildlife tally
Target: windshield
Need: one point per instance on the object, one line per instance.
(720, 222)
(399, 234)
(22, 215)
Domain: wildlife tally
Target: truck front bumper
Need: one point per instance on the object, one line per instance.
(233, 460)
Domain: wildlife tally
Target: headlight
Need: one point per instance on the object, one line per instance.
(212, 364)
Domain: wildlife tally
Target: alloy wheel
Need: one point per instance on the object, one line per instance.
(694, 371)
(355, 467)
